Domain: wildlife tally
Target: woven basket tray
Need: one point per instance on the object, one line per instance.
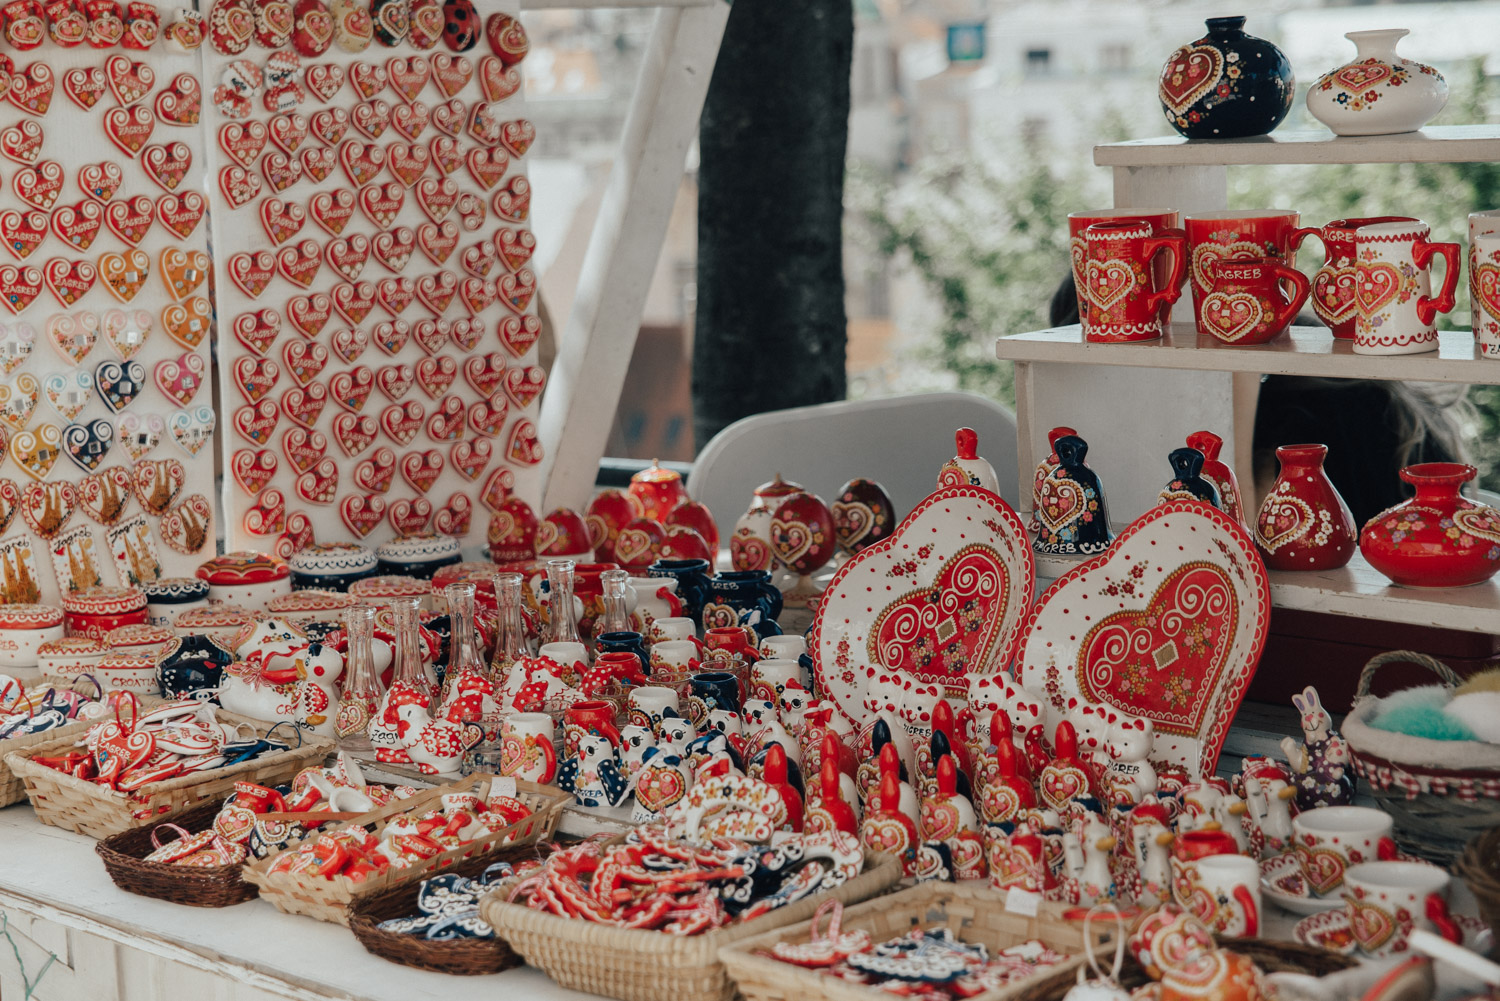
(1440, 793)
(88, 808)
(12, 789)
(124, 856)
(327, 899)
(465, 956)
(635, 965)
(974, 913)
(1480, 868)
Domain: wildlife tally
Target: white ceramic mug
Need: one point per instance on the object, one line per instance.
(528, 747)
(1484, 280)
(1228, 888)
(1329, 839)
(1393, 300)
(667, 630)
(1384, 901)
(674, 656)
(567, 654)
(649, 702)
(788, 647)
(769, 678)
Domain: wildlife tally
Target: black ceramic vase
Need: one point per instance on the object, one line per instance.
(1227, 84)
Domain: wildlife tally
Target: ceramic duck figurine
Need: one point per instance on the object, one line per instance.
(594, 775)
(968, 468)
(1068, 499)
(660, 782)
(1095, 881)
(1199, 801)
(1320, 765)
(262, 682)
(889, 829)
(1006, 795)
(318, 671)
(435, 746)
(1230, 813)
(1064, 779)
(830, 809)
(1268, 799)
(1151, 843)
(949, 817)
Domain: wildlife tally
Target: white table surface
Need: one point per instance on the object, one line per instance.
(61, 870)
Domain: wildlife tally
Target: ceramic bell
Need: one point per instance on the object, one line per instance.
(1068, 500)
(1188, 482)
(1016, 857)
(949, 817)
(1064, 779)
(887, 828)
(968, 468)
(1220, 474)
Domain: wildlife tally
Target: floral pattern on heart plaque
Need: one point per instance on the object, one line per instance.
(1168, 625)
(954, 581)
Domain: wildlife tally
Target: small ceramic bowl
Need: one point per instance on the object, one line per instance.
(246, 579)
(331, 566)
(417, 555)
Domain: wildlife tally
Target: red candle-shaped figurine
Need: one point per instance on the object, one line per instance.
(1303, 523)
(1064, 779)
(659, 491)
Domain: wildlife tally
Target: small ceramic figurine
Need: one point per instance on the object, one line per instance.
(1320, 764)
(1188, 482)
(887, 828)
(1268, 797)
(1151, 841)
(949, 817)
(1006, 795)
(1132, 777)
(1220, 474)
(968, 468)
(318, 671)
(1089, 878)
(594, 775)
(435, 746)
(1064, 778)
(830, 810)
(1016, 857)
(660, 783)
(1068, 502)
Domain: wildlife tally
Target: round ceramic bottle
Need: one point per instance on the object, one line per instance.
(1303, 523)
(1438, 538)
(1227, 84)
(1378, 93)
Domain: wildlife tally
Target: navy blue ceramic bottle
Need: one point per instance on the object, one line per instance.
(1227, 84)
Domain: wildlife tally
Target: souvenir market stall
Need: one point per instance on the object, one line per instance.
(419, 733)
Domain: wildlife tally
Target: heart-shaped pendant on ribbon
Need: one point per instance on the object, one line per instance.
(88, 444)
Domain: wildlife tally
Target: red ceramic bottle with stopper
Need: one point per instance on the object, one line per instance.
(1219, 474)
(1438, 538)
(1303, 523)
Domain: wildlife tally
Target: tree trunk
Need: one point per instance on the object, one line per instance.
(770, 311)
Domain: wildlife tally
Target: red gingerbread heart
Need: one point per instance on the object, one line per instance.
(375, 473)
(331, 210)
(252, 469)
(421, 469)
(402, 420)
(410, 517)
(303, 449)
(354, 432)
(362, 514)
(258, 330)
(469, 458)
(181, 213)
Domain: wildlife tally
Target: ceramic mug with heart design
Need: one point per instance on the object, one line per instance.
(1332, 296)
(1216, 236)
(1484, 280)
(672, 628)
(769, 677)
(1163, 222)
(649, 703)
(1248, 302)
(1394, 304)
(526, 747)
(1123, 295)
(1330, 839)
(1385, 901)
(1225, 894)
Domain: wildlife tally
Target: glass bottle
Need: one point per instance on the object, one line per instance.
(463, 643)
(615, 616)
(510, 630)
(362, 688)
(412, 671)
(562, 621)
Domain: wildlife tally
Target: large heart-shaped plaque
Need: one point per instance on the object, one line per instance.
(1168, 625)
(954, 582)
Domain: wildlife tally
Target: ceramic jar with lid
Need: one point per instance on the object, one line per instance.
(1438, 538)
(23, 630)
(658, 491)
(1378, 92)
(97, 610)
(245, 579)
(417, 555)
(70, 656)
(382, 589)
(141, 640)
(169, 597)
(512, 534)
(331, 566)
(123, 672)
(221, 622)
(1226, 84)
(311, 605)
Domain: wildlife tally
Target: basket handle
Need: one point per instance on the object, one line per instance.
(156, 834)
(1437, 667)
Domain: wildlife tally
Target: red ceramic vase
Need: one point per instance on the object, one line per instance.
(1303, 523)
(1438, 538)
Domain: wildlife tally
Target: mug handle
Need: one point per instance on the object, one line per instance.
(549, 758)
(1301, 289)
(1177, 246)
(608, 732)
(1421, 255)
(1437, 913)
(1301, 233)
(1252, 916)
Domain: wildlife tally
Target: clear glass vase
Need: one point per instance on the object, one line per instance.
(562, 618)
(362, 687)
(510, 629)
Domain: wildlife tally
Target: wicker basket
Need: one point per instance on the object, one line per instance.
(124, 856)
(328, 899)
(12, 789)
(1480, 868)
(88, 808)
(1440, 793)
(974, 913)
(465, 956)
(636, 965)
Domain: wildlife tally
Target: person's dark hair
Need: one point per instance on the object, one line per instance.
(1063, 309)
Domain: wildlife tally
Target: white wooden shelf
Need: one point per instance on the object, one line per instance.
(1301, 351)
(1435, 144)
(1357, 590)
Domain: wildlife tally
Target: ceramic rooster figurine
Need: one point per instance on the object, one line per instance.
(435, 746)
(829, 810)
(1323, 774)
(948, 816)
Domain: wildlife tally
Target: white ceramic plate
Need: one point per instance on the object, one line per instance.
(1167, 625)
(942, 598)
(1281, 882)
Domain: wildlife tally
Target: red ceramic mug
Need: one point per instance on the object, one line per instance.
(1333, 284)
(1247, 303)
(1216, 236)
(594, 716)
(1119, 281)
(1164, 222)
